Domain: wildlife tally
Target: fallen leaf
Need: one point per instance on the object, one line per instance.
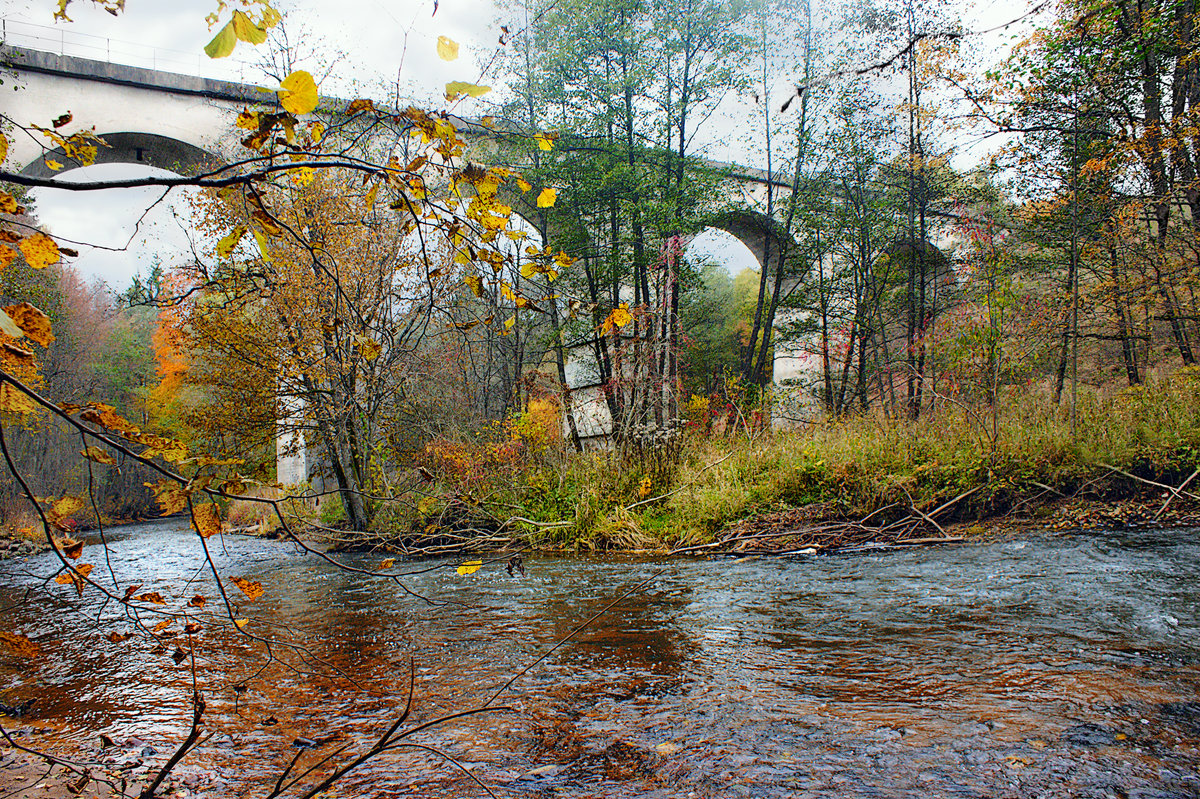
(470, 567)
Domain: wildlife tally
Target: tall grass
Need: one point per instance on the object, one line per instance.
(1021, 448)
(1019, 452)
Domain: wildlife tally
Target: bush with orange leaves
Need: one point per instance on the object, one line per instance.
(501, 449)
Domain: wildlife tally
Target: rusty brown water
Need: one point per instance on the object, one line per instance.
(1050, 666)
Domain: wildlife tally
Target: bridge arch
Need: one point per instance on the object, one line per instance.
(756, 231)
(131, 147)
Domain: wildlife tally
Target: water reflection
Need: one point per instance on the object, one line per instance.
(1065, 664)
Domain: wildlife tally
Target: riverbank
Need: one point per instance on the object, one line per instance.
(19, 544)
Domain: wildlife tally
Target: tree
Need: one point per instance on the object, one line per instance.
(625, 83)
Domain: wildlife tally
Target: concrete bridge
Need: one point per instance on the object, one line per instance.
(180, 123)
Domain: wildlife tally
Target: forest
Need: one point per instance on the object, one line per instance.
(479, 332)
(439, 358)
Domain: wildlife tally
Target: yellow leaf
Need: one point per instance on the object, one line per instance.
(53, 165)
(241, 623)
(154, 598)
(7, 255)
(369, 348)
(261, 240)
(523, 184)
(317, 131)
(229, 241)
(67, 505)
(447, 49)
(298, 93)
(246, 30)
(547, 198)
(9, 327)
(31, 321)
(509, 322)
(302, 176)
(15, 401)
(99, 456)
(618, 318)
(456, 88)
(470, 567)
(223, 43)
(3, 148)
(247, 119)
(545, 141)
(171, 497)
(40, 250)
(387, 563)
(207, 520)
(74, 576)
(251, 588)
(476, 284)
(106, 416)
(162, 625)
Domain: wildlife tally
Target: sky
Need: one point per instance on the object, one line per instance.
(390, 50)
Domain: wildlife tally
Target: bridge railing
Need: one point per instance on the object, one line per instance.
(62, 41)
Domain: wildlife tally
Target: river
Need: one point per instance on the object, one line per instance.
(1055, 665)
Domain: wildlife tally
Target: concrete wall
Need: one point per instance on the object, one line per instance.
(181, 115)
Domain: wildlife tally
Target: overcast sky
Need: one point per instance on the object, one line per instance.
(390, 47)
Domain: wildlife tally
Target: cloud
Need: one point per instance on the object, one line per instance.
(118, 232)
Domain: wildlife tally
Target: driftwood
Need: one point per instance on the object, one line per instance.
(779, 536)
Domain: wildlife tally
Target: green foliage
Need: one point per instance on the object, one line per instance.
(715, 312)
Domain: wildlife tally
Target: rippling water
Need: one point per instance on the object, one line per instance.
(1055, 666)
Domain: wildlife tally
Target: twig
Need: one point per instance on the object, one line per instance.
(1176, 493)
(945, 505)
(682, 487)
(193, 736)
